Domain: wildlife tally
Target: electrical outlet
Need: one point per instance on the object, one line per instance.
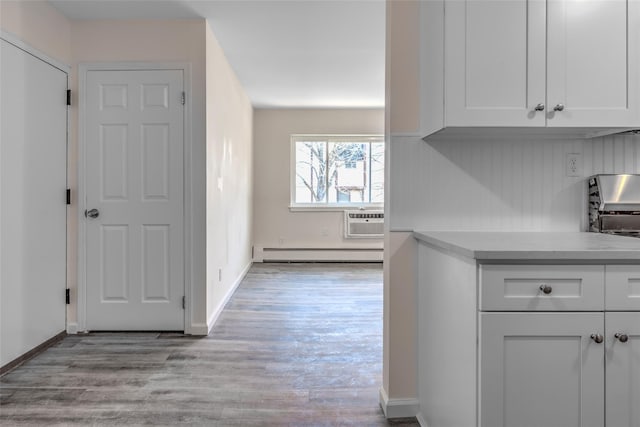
(574, 164)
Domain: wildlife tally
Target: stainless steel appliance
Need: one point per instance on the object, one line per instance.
(614, 204)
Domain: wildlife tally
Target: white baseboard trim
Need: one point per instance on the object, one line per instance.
(198, 329)
(398, 408)
(421, 420)
(216, 313)
(72, 328)
(318, 254)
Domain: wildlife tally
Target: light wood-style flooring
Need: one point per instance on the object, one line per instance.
(297, 345)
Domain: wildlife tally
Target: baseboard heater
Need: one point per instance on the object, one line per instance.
(319, 255)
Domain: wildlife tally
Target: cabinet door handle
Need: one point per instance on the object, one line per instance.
(597, 338)
(558, 107)
(622, 337)
(539, 107)
(546, 288)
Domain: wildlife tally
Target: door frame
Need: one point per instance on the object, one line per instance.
(188, 184)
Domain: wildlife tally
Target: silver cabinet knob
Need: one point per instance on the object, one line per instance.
(622, 337)
(92, 213)
(539, 107)
(546, 288)
(597, 338)
(558, 107)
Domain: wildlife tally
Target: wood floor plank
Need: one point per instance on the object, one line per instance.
(297, 345)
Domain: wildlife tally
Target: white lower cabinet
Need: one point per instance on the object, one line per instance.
(541, 369)
(622, 367)
(513, 342)
(569, 367)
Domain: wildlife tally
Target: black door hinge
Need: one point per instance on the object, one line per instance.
(68, 96)
(183, 99)
(67, 294)
(184, 302)
(68, 196)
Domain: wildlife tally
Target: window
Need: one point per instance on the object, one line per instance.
(337, 170)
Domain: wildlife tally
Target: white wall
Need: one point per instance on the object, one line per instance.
(274, 225)
(229, 178)
(40, 25)
(402, 116)
(499, 185)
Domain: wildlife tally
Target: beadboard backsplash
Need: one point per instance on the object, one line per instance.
(499, 185)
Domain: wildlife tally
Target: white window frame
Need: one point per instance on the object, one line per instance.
(301, 207)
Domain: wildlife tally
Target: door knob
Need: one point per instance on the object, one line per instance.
(546, 288)
(558, 107)
(597, 338)
(92, 213)
(539, 107)
(622, 337)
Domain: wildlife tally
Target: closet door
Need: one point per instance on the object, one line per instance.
(33, 164)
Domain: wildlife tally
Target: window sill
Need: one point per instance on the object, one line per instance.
(335, 208)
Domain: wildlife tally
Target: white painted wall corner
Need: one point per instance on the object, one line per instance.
(398, 408)
(258, 254)
(216, 313)
(421, 420)
(199, 329)
(72, 328)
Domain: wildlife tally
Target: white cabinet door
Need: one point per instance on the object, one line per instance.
(495, 62)
(623, 369)
(593, 49)
(541, 369)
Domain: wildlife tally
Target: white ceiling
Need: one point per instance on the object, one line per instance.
(286, 53)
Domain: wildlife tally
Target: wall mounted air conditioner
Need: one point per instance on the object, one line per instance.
(359, 224)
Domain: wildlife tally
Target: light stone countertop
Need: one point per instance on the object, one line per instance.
(507, 246)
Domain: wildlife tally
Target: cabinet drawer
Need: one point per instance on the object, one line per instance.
(541, 287)
(622, 290)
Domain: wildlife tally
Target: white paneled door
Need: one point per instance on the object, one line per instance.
(134, 129)
(33, 170)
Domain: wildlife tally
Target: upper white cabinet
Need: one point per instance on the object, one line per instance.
(495, 63)
(593, 51)
(535, 63)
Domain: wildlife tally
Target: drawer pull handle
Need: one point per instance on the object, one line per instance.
(622, 337)
(597, 338)
(546, 288)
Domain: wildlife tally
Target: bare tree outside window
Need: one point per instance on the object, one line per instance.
(340, 170)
